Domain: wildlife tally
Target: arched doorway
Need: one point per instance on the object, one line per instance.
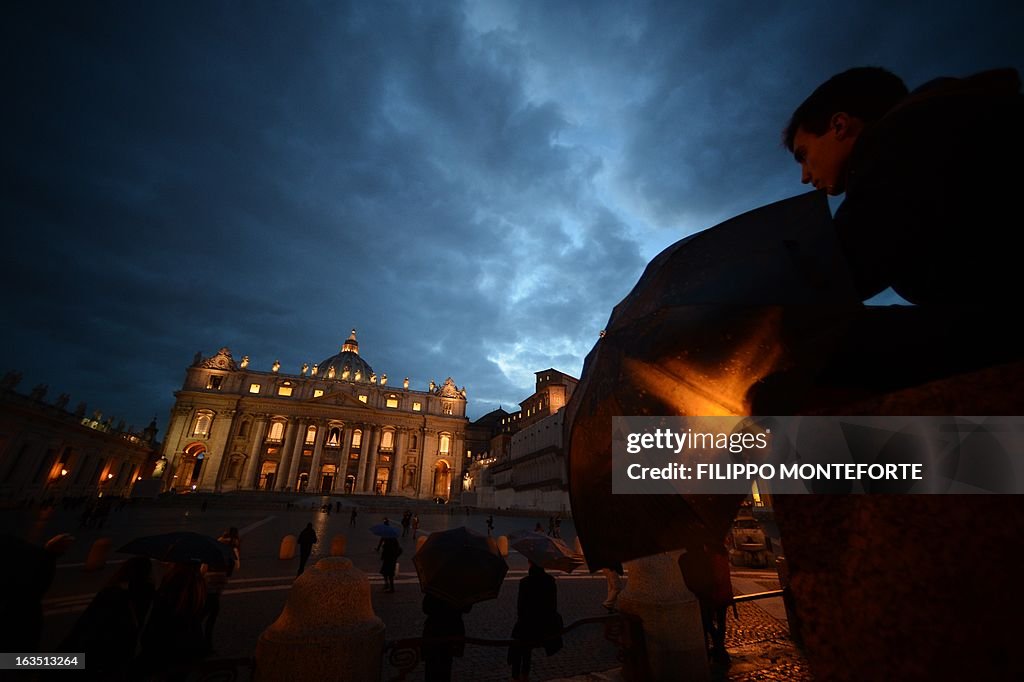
(267, 474)
(382, 485)
(191, 468)
(442, 479)
(327, 474)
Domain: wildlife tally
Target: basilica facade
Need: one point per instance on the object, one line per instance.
(334, 427)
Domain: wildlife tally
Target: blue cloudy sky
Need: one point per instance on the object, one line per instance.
(472, 185)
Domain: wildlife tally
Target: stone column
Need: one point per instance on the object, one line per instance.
(251, 467)
(370, 475)
(343, 458)
(292, 433)
(673, 631)
(318, 453)
(216, 445)
(364, 453)
(300, 445)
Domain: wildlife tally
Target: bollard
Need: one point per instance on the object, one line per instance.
(673, 633)
(97, 558)
(338, 545)
(503, 545)
(327, 630)
(288, 543)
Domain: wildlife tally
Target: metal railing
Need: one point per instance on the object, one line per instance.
(624, 630)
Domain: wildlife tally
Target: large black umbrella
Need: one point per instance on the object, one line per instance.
(546, 551)
(182, 547)
(760, 298)
(460, 566)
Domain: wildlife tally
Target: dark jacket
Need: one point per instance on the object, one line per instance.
(307, 538)
(538, 622)
(389, 554)
(932, 192)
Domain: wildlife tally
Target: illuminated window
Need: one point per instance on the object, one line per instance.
(392, 401)
(387, 440)
(357, 438)
(202, 425)
(254, 388)
(317, 392)
(363, 398)
(311, 434)
(214, 382)
(276, 431)
(334, 438)
(446, 407)
(285, 390)
(445, 444)
(416, 407)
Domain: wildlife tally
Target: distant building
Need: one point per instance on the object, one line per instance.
(48, 452)
(524, 466)
(334, 427)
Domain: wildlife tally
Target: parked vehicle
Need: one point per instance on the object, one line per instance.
(748, 542)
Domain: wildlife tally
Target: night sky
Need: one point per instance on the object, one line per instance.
(472, 186)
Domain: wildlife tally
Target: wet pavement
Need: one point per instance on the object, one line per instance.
(758, 641)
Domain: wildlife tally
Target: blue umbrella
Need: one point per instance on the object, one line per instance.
(384, 530)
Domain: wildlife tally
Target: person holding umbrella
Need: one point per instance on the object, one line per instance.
(389, 558)
(307, 538)
(108, 632)
(176, 617)
(538, 622)
(456, 568)
(444, 619)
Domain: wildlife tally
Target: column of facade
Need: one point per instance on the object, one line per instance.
(300, 445)
(364, 450)
(216, 445)
(172, 445)
(318, 452)
(291, 433)
(458, 463)
(428, 464)
(251, 465)
(370, 475)
(397, 447)
(346, 453)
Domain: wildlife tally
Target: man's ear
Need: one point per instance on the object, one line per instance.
(844, 126)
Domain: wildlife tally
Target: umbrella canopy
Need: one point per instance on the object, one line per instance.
(546, 551)
(460, 566)
(384, 530)
(182, 547)
(764, 295)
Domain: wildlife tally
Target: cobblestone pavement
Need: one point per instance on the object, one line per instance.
(758, 641)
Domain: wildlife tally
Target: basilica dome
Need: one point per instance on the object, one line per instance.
(346, 365)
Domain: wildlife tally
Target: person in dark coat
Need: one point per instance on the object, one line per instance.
(26, 574)
(173, 636)
(443, 620)
(705, 569)
(389, 557)
(307, 538)
(109, 630)
(538, 622)
(217, 579)
(930, 179)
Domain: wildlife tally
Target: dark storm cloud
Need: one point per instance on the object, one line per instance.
(472, 186)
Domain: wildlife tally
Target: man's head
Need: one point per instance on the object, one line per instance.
(823, 129)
